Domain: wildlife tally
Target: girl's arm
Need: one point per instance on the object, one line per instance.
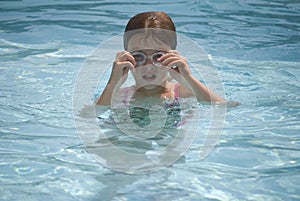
(106, 96)
(123, 62)
(189, 83)
(201, 91)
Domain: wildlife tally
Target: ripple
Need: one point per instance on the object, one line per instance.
(255, 48)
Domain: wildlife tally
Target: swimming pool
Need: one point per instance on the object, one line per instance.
(254, 46)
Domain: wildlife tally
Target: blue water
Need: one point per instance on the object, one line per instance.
(255, 47)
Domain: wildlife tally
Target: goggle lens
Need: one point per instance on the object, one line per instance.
(140, 58)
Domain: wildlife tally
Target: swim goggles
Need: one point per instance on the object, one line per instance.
(140, 58)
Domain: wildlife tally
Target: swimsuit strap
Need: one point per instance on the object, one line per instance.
(176, 96)
(176, 91)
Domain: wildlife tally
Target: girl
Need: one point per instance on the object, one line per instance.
(150, 43)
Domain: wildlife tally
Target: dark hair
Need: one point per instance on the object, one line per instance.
(152, 20)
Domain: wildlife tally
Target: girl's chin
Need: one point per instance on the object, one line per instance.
(150, 83)
(150, 86)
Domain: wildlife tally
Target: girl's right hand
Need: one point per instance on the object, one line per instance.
(123, 62)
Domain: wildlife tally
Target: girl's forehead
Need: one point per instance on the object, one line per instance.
(144, 41)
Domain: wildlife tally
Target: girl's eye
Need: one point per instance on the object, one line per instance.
(157, 56)
(138, 57)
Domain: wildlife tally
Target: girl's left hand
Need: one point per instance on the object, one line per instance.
(177, 65)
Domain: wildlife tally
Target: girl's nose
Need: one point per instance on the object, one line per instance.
(148, 61)
(149, 67)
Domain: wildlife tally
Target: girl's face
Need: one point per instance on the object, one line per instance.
(148, 72)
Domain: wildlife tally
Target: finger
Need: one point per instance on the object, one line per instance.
(119, 55)
(122, 56)
(125, 56)
(169, 60)
(175, 64)
(172, 70)
(162, 58)
(130, 58)
(123, 64)
(173, 52)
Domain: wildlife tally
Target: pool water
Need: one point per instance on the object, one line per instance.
(254, 45)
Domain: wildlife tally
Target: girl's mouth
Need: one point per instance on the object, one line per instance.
(149, 77)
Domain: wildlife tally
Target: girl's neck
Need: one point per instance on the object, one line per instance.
(152, 91)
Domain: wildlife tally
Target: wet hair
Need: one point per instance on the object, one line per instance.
(160, 21)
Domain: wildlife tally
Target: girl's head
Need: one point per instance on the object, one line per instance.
(150, 29)
(146, 35)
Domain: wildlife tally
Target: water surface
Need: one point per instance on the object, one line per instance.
(254, 46)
